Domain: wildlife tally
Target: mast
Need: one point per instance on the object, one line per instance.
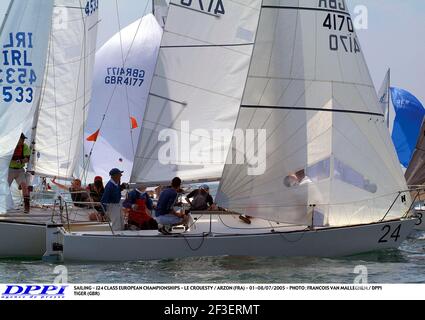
(6, 16)
(153, 7)
(389, 98)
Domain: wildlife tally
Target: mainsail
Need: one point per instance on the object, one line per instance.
(24, 37)
(197, 89)
(415, 174)
(329, 158)
(63, 107)
(123, 75)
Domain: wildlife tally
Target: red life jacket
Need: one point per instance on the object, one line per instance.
(139, 217)
(19, 153)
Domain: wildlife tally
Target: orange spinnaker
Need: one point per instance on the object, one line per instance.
(134, 124)
(94, 136)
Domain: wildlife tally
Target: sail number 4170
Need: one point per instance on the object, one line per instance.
(210, 6)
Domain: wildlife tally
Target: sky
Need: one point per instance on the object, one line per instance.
(395, 37)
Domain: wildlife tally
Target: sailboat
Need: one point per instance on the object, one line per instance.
(291, 72)
(56, 41)
(405, 115)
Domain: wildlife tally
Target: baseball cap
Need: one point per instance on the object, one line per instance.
(98, 178)
(115, 171)
(205, 187)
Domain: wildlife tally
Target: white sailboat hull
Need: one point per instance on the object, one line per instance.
(333, 242)
(420, 226)
(22, 240)
(24, 235)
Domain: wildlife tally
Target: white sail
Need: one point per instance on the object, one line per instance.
(197, 89)
(123, 75)
(384, 96)
(66, 92)
(24, 37)
(327, 148)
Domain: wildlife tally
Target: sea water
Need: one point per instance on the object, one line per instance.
(406, 265)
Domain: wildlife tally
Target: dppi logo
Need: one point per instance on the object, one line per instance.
(34, 292)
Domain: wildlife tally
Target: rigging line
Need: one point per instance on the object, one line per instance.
(199, 88)
(113, 92)
(126, 89)
(168, 99)
(282, 234)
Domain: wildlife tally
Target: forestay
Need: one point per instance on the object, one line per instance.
(197, 89)
(65, 98)
(123, 75)
(328, 150)
(24, 37)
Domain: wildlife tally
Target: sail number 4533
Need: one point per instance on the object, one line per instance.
(210, 6)
(390, 234)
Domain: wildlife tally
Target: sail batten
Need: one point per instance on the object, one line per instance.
(326, 154)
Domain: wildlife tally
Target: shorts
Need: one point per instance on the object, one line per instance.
(169, 220)
(17, 174)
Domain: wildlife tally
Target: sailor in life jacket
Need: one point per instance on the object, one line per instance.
(140, 207)
(21, 157)
(202, 200)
